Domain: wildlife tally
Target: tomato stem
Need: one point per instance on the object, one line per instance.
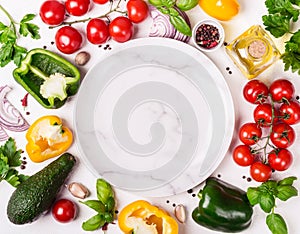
(112, 9)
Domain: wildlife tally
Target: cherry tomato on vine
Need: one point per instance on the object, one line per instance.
(68, 40)
(255, 92)
(281, 160)
(290, 112)
(121, 29)
(282, 90)
(137, 10)
(64, 210)
(100, 1)
(97, 31)
(250, 133)
(263, 115)
(52, 12)
(243, 156)
(283, 135)
(77, 7)
(260, 172)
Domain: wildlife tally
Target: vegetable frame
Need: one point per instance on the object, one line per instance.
(35, 75)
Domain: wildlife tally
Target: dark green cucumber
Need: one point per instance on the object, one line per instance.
(36, 195)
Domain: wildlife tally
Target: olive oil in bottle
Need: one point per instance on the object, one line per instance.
(253, 51)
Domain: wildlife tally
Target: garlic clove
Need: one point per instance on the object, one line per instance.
(180, 213)
(78, 190)
(82, 58)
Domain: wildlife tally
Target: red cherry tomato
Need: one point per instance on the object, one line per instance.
(263, 115)
(260, 172)
(97, 31)
(68, 40)
(282, 90)
(52, 12)
(77, 7)
(290, 112)
(283, 135)
(121, 29)
(255, 92)
(242, 155)
(100, 1)
(281, 160)
(137, 10)
(250, 133)
(64, 210)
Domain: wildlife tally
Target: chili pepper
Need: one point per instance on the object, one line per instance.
(141, 215)
(25, 100)
(49, 78)
(222, 207)
(47, 138)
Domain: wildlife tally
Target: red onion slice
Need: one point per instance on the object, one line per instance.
(3, 135)
(161, 26)
(10, 118)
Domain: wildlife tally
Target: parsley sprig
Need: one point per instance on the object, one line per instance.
(279, 21)
(265, 196)
(10, 50)
(9, 161)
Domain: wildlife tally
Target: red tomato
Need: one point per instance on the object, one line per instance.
(263, 115)
(100, 1)
(255, 92)
(290, 112)
(283, 135)
(64, 210)
(77, 7)
(250, 133)
(68, 40)
(260, 172)
(121, 29)
(137, 10)
(52, 12)
(281, 160)
(242, 155)
(97, 31)
(281, 90)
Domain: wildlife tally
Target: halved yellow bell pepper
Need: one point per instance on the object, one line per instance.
(47, 138)
(140, 217)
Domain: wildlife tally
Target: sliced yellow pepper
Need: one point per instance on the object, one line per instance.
(47, 138)
(142, 217)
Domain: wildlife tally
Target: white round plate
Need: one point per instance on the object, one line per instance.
(154, 117)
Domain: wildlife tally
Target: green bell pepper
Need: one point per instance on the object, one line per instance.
(222, 207)
(49, 78)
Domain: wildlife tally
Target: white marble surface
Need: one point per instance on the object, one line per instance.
(150, 112)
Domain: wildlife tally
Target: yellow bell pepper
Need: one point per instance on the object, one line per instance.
(140, 217)
(47, 138)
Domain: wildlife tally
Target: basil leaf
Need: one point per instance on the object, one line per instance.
(266, 202)
(104, 190)
(289, 180)
(181, 25)
(168, 3)
(186, 5)
(156, 3)
(95, 205)
(253, 195)
(173, 12)
(276, 224)
(110, 205)
(164, 10)
(285, 192)
(93, 223)
(108, 217)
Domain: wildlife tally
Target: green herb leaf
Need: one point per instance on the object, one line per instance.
(253, 195)
(173, 12)
(277, 25)
(104, 190)
(2, 26)
(29, 29)
(8, 35)
(186, 5)
(287, 181)
(285, 192)
(283, 7)
(296, 2)
(276, 224)
(156, 3)
(13, 155)
(19, 54)
(266, 202)
(96, 205)
(27, 18)
(181, 25)
(93, 223)
(168, 3)
(110, 205)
